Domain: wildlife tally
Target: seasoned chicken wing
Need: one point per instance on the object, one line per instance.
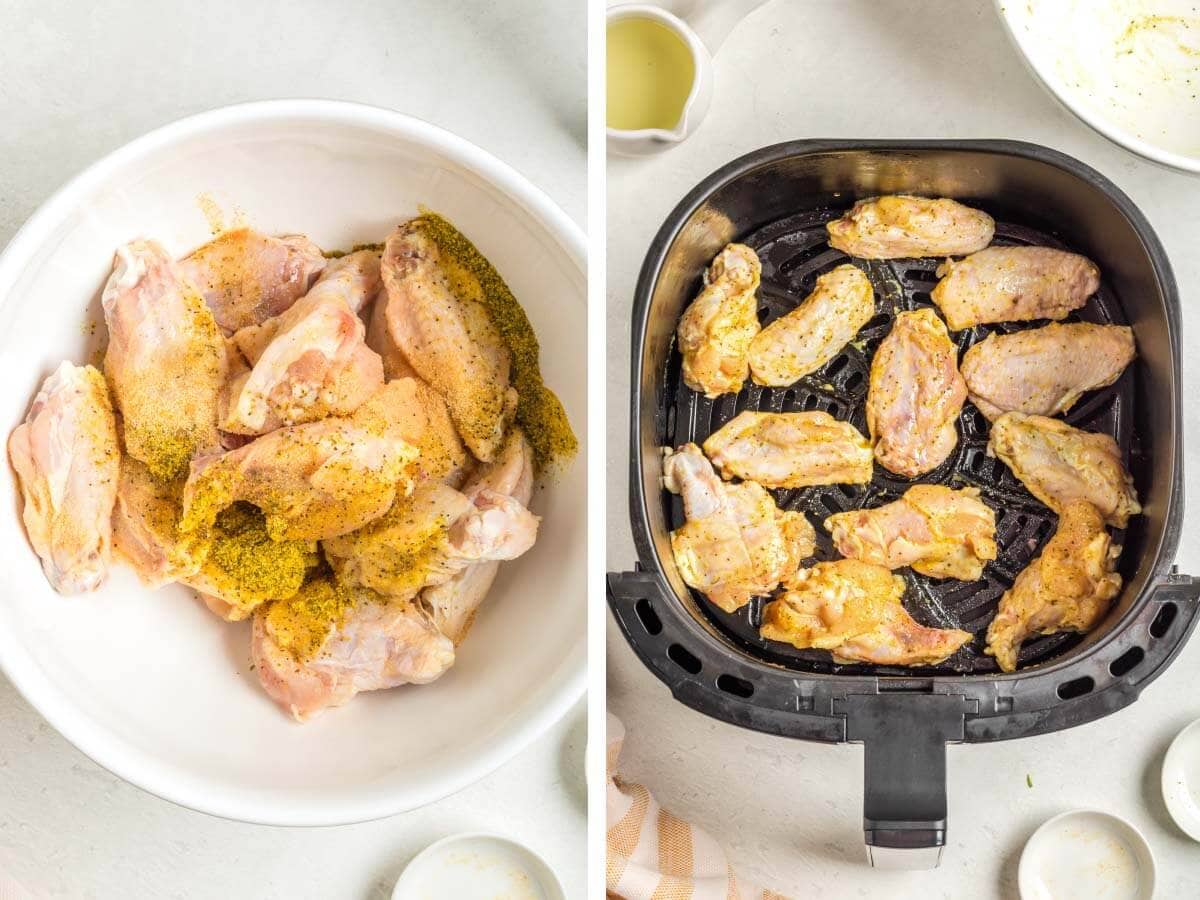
(716, 330)
(940, 532)
(67, 462)
(815, 331)
(736, 544)
(146, 527)
(854, 610)
(327, 643)
(414, 411)
(1068, 588)
(427, 538)
(792, 449)
(448, 340)
(915, 395)
(454, 603)
(1060, 464)
(246, 277)
(1013, 284)
(312, 481)
(165, 363)
(902, 226)
(245, 568)
(311, 361)
(1043, 371)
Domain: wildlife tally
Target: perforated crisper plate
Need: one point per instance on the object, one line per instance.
(794, 252)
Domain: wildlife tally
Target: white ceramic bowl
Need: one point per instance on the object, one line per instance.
(1127, 68)
(1181, 780)
(1086, 854)
(149, 684)
(478, 866)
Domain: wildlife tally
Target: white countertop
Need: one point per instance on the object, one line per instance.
(77, 81)
(790, 812)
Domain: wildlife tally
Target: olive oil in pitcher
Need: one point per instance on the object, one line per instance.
(650, 74)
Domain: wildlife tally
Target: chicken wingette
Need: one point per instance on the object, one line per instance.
(716, 330)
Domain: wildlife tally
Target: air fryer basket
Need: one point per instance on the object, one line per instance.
(777, 200)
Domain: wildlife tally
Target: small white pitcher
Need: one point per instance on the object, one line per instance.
(703, 26)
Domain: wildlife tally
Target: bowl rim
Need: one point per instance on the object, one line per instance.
(1171, 765)
(95, 743)
(1119, 136)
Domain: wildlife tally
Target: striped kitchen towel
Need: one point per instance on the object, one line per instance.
(652, 855)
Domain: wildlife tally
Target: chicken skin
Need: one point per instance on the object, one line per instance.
(246, 277)
(454, 603)
(915, 395)
(736, 544)
(1044, 371)
(416, 413)
(427, 538)
(787, 450)
(165, 363)
(902, 226)
(1013, 284)
(813, 333)
(1059, 464)
(716, 330)
(146, 528)
(67, 461)
(313, 481)
(939, 532)
(310, 361)
(448, 340)
(319, 648)
(854, 610)
(1068, 588)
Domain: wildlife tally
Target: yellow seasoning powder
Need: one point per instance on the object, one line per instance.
(246, 567)
(301, 624)
(472, 278)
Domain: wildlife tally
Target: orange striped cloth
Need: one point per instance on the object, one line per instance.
(653, 855)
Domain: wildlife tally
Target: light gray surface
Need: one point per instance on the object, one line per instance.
(791, 812)
(78, 80)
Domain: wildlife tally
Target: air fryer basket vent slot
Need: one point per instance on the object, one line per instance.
(794, 252)
(1162, 622)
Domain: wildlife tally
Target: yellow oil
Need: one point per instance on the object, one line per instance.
(650, 74)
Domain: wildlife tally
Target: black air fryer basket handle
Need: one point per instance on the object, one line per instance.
(904, 778)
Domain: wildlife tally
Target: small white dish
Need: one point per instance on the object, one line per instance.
(1086, 854)
(1181, 780)
(1127, 68)
(477, 866)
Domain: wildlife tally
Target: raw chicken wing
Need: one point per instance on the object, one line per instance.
(1013, 284)
(791, 449)
(449, 341)
(311, 361)
(1068, 588)
(426, 539)
(146, 527)
(246, 277)
(716, 331)
(736, 544)
(412, 410)
(1060, 464)
(815, 331)
(327, 643)
(940, 532)
(902, 226)
(166, 360)
(915, 395)
(313, 481)
(454, 603)
(854, 610)
(67, 462)
(1043, 371)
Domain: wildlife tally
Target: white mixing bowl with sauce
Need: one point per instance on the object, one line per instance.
(151, 685)
(1128, 68)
